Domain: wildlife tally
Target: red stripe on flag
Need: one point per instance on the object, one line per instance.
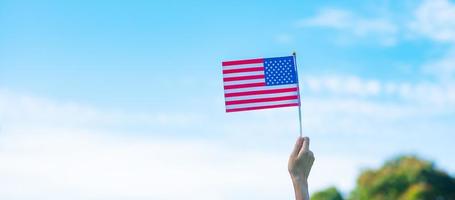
(261, 100)
(227, 87)
(261, 107)
(251, 69)
(243, 62)
(236, 94)
(240, 78)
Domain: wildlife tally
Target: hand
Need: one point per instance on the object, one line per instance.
(299, 166)
(301, 159)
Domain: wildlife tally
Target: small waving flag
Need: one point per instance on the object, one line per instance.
(260, 83)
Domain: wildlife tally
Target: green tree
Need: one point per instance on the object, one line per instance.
(328, 194)
(405, 178)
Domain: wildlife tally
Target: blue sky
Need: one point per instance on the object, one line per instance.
(106, 82)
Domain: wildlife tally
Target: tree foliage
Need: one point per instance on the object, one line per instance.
(328, 194)
(402, 178)
(405, 178)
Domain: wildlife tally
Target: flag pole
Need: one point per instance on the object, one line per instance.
(298, 92)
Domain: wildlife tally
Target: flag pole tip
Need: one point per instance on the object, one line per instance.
(293, 53)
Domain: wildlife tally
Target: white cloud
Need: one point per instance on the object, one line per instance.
(435, 19)
(431, 18)
(425, 93)
(29, 112)
(349, 85)
(329, 18)
(345, 21)
(84, 166)
(53, 150)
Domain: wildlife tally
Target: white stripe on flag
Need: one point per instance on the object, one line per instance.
(243, 66)
(243, 74)
(272, 103)
(259, 96)
(261, 80)
(261, 88)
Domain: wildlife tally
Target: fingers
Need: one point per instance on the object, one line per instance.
(297, 147)
(305, 145)
(309, 163)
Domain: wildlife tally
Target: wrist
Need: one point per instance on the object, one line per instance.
(299, 180)
(300, 188)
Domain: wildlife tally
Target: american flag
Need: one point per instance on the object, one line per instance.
(260, 83)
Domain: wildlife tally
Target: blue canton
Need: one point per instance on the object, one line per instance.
(280, 71)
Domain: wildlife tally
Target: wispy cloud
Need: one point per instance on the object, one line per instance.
(347, 22)
(434, 19)
(71, 153)
(431, 19)
(55, 150)
(23, 113)
(330, 18)
(86, 165)
(437, 95)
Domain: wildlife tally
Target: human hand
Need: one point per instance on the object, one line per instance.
(299, 166)
(301, 159)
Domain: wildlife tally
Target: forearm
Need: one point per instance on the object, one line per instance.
(301, 189)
